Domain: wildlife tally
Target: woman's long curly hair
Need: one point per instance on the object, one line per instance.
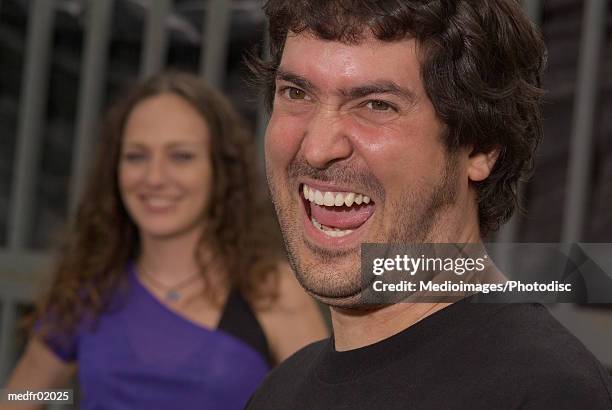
(102, 239)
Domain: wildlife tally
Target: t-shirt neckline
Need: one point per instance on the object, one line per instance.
(334, 367)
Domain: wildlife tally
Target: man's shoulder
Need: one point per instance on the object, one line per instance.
(296, 369)
(529, 333)
(542, 356)
(531, 327)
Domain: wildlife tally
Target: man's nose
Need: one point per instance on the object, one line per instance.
(327, 138)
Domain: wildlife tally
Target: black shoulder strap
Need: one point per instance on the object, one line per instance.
(239, 320)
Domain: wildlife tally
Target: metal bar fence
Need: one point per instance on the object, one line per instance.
(31, 119)
(93, 76)
(155, 45)
(215, 42)
(581, 148)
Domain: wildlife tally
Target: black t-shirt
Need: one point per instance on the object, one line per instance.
(466, 356)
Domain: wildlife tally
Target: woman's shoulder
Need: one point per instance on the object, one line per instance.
(292, 319)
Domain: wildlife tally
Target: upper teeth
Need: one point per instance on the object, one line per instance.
(328, 198)
(158, 202)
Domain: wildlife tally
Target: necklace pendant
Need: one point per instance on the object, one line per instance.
(172, 296)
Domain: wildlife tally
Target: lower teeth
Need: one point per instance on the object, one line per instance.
(333, 232)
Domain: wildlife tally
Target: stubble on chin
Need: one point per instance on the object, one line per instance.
(317, 269)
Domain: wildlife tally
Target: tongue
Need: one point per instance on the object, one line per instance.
(341, 217)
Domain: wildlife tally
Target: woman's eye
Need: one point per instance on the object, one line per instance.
(294, 93)
(133, 156)
(377, 105)
(182, 156)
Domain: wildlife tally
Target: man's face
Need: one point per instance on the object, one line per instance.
(354, 154)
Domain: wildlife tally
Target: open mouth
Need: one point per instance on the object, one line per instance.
(336, 213)
(154, 203)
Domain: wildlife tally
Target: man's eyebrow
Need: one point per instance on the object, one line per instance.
(295, 79)
(381, 87)
(376, 87)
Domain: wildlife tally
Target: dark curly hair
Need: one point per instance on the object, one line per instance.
(102, 238)
(481, 62)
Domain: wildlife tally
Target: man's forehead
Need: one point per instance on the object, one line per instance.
(367, 46)
(347, 64)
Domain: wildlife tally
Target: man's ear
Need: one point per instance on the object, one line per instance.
(480, 164)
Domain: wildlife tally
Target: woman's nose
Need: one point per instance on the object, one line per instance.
(156, 172)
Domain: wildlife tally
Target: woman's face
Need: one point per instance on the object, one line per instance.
(165, 171)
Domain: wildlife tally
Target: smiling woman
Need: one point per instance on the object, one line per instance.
(170, 287)
(165, 172)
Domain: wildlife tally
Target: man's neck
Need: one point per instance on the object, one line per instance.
(355, 329)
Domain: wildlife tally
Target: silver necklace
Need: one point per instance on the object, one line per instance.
(171, 293)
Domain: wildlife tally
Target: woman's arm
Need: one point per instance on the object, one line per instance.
(38, 369)
(294, 320)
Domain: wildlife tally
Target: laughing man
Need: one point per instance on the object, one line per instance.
(402, 121)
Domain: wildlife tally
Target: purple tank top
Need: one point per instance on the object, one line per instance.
(141, 355)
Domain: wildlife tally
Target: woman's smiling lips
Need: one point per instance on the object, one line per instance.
(158, 204)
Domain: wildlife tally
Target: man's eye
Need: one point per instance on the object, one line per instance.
(377, 105)
(294, 93)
